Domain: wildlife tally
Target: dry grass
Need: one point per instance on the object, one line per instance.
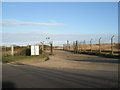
(21, 50)
(95, 47)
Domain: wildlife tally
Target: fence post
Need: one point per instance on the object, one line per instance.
(100, 44)
(91, 45)
(73, 46)
(76, 51)
(112, 44)
(67, 45)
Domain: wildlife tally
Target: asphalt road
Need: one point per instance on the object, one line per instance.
(58, 72)
(26, 76)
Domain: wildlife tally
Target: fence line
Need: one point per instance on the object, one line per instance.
(81, 46)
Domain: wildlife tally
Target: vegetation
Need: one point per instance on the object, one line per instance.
(103, 54)
(8, 59)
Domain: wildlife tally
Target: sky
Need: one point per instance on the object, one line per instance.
(26, 23)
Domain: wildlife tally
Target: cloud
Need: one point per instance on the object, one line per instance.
(33, 37)
(13, 22)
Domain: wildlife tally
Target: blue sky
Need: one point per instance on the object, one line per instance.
(32, 22)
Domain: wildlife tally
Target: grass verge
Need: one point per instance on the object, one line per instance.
(8, 59)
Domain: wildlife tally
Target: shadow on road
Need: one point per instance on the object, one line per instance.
(53, 78)
(6, 85)
(97, 61)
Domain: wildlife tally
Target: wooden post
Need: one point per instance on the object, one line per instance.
(112, 44)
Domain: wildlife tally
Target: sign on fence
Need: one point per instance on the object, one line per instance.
(34, 50)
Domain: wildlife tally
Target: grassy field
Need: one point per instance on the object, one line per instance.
(8, 59)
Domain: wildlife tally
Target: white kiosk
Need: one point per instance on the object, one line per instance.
(34, 50)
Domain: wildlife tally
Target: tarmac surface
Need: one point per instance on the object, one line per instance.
(58, 72)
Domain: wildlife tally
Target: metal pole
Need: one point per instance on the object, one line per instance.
(100, 44)
(67, 45)
(112, 44)
(74, 46)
